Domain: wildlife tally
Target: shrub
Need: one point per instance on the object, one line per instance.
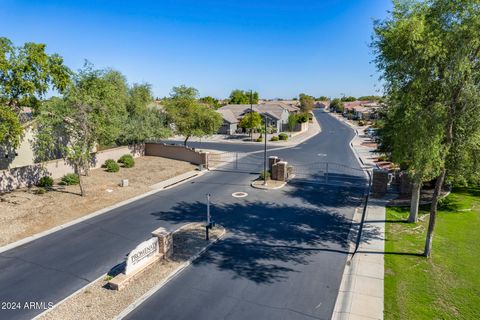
(283, 136)
(70, 179)
(45, 182)
(111, 166)
(303, 117)
(274, 138)
(127, 160)
(361, 123)
(40, 191)
(260, 139)
(263, 174)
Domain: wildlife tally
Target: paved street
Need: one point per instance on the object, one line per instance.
(283, 257)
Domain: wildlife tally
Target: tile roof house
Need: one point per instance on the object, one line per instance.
(276, 113)
(362, 110)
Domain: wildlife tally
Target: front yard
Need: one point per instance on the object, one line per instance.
(24, 213)
(446, 286)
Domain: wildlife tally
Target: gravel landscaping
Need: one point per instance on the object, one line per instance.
(98, 302)
(24, 213)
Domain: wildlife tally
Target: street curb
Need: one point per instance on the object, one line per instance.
(106, 274)
(164, 185)
(274, 188)
(172, 275)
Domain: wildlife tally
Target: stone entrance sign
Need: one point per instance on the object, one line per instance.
(142, 255)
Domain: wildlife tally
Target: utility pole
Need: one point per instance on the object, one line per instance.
(265, 155)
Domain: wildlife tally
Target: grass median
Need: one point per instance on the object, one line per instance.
(447, 285)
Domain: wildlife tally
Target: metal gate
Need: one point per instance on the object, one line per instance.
(235, 161)
(327, 173)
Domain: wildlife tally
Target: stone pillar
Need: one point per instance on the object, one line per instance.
(204, 159)
(165, 242)
(274, 171)
(282, 170)
(271, 161)
(405, 184)
(380, 182)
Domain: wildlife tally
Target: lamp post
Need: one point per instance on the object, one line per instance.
(251, 118)
(265, 155)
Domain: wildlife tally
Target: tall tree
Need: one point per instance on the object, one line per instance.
(27, 73)
(337, 105)
(251, 121)
(306, 102)
(243, 97)
(139, 97)
(189, 116)
(431, 51)
(91, 113)
(210, 101)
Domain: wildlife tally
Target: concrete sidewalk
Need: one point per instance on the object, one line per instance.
(361, 291)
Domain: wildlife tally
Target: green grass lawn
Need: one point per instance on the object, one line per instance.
(446, 286)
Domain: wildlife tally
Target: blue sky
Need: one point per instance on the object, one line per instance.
(279, 47)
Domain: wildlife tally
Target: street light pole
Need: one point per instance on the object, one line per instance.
(251, 118)
(265, 155)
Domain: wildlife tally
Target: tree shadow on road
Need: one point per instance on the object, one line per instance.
(266, 240)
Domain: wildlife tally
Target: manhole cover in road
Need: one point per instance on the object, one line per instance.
(239, 194)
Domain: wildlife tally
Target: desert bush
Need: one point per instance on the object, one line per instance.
(41, 191)
(111, 166)
(70, 179)
(283, 136)
(260, 139)
(263, 174)
(45, 182)
(127, 160)
(303, 117)
(274, 138)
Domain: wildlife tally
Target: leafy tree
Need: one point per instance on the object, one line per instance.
(348, 99)
(150, 125)
(243, 97)
(91, 113)
(210, 101)
(370, 98)
(183, 92)
(139, 97)
(190, 117)
(292, 122)
(337, 105)
(251, 121)
(322, 98)
(306, 102)
(429, 52)
(27, 73)
(10, 128)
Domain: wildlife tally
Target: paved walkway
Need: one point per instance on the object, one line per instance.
(361, 292)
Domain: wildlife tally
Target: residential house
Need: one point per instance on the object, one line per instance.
(230, 122)
(276, 114)
(361, 110)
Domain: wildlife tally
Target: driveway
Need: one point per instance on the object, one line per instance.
(283, 258)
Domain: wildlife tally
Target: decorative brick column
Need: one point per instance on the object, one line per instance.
(271, 161)
(165, 242)
(380, 182)
(281, 168)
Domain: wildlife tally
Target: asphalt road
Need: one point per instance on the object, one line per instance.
(283, 258)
